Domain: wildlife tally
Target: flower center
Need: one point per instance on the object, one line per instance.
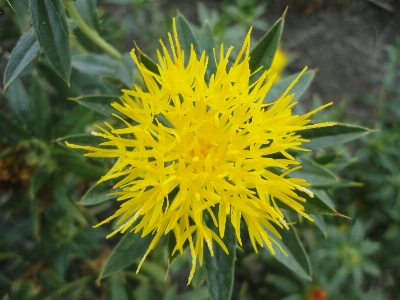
(205, 147)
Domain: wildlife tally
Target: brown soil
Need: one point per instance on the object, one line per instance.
(344, 40)
(347, 48)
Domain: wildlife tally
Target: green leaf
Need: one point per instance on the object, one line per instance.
(76, 163)
(88, 11)
(80, 139)
(186, 36)
(313, 205)
(40, 109)
(298, 89)
(57, 84)
(198, 294)
(326, 158)
(316, 175)
(59, 192)
(220, 267)
(49, 21)
(95, 64)
(148, 63)
(333, 135)
(118, 290)
(26, 50)
(323, 195)
(126, 69)
(75, 121)
(155, 272)
(105, 66)
(99, 193)
(100, 104)
(320, 224)
(22, 14)
(297, 259)
(130, 248)
(18, 100)
(263, 53)
(171, 243)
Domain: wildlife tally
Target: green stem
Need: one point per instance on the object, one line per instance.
(89, 32)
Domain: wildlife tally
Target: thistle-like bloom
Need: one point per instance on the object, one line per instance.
(192, 151)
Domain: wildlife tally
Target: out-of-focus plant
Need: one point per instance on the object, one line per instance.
(60, 81)
(344, 256)
(378, 202)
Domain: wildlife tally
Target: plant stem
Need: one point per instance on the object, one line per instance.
(89, 32)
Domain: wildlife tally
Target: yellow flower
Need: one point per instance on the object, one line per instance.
(278, 64)
(211, 144)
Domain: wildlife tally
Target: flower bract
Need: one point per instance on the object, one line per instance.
(193, 154)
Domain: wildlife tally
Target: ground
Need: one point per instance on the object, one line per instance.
(343, 40)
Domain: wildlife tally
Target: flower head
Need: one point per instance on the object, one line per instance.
(192, 150)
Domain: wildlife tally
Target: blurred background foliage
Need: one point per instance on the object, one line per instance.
(48, 248)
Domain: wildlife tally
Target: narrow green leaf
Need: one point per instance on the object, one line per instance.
(95, 64)
(118, 289)
(103, 85)
(320, 224)
(263, 53)
(220, 267)
(18, 100)
(59, 192)
(297, 259)
(316, 175)
(298, 89)
(125, 70)
(323, 195)
(49, 21)
(80, 139)
(313, 205)
(326, 158)
(148, 63)
(129, 249)
(286, 284)
(88, 11)
(57, 84)
(170, 293)
(76, 163)
(332, 135)
(26, 50)
(186, 36)
(105, 66)
(155, 272)
(100, 104)
(171, 238)
(99, 193)
(21, 9)
(171, 243)
(40, 109)
(198, 294)
(74, 121)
